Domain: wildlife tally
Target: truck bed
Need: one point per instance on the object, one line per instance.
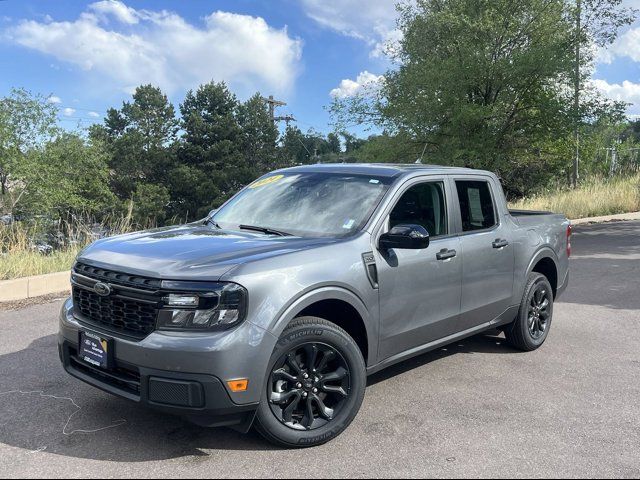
(531, 218)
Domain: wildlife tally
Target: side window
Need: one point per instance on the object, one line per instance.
(423, 204)
(476, 205)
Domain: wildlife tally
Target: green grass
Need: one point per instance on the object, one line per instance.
(592, 198)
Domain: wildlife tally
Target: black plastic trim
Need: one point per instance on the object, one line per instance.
(216, 409)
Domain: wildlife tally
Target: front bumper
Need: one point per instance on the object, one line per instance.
(178, 373)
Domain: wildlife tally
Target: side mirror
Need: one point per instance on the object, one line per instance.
(410, 237)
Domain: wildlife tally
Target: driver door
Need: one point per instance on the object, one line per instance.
(419, 290)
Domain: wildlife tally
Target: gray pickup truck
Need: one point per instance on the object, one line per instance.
(273, 310)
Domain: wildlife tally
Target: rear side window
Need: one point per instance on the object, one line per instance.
(476, 205)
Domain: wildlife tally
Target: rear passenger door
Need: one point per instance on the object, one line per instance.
(488, 252)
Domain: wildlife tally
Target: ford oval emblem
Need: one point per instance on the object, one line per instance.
(102, 289)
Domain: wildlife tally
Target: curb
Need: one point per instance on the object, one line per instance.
(608, 218)
(36, 286)
(41, 285)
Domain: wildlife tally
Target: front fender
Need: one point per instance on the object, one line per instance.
(309, 297)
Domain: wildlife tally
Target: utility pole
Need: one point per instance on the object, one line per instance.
(576, 160)
(273, 103)
(287, 119)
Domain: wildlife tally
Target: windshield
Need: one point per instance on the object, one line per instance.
(305, 204)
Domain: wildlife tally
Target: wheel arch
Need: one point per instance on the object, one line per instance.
(337, 305)
(545, 262)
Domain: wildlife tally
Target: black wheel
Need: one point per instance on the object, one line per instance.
(531, 327)
(315, 385)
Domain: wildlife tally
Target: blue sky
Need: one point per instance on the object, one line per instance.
(89, 56)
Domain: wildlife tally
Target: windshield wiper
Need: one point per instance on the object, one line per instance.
(211, 221)
(266, 230)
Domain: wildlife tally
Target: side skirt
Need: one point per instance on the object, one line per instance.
(507, 317)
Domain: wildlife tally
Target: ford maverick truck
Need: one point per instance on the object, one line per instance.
(272, 311)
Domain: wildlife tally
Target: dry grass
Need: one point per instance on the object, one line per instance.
(19, 257)
(592, 199)
(28, 263)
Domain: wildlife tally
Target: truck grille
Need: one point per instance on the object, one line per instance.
(127, 311)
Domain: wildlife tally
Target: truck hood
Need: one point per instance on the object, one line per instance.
(190, 252)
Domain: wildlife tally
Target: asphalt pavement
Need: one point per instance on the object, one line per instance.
(474, 409)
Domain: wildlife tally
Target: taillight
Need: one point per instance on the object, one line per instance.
(569, 231)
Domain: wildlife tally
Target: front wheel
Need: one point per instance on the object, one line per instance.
(531, 327)
(315, 385)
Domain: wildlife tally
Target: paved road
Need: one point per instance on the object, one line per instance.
(474, 409)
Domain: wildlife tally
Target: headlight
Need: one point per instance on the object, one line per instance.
(213, 307)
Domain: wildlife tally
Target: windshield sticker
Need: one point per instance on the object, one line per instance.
(374, 181)
(348, 225)
(266, 181)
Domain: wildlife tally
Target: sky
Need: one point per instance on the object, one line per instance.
(89, 56)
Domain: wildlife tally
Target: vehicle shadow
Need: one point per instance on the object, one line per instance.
(44, 409)
(491, 342)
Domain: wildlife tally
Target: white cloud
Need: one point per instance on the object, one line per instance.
(94, 114)
(68, 112)
(164, 49)
(357, 18)
(627, 45)
(373, 21)
(365, 82)
(389, 40)
(628, 92)
(117, 10)
(54, 99)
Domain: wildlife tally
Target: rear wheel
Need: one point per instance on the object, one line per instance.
(316, 384)
(531, 327)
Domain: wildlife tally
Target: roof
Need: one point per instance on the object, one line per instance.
(375, 169)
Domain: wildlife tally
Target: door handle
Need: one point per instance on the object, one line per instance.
(499, 243)
(446, 254)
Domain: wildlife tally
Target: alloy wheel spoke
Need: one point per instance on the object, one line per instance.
(282, 373)
(325, 412)
(538, 296)
(331, 389)
(293, 363)
(339, 374)
(287, 413)
(327, 356)
(308, 418)
(312, 356)
(284, 397)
